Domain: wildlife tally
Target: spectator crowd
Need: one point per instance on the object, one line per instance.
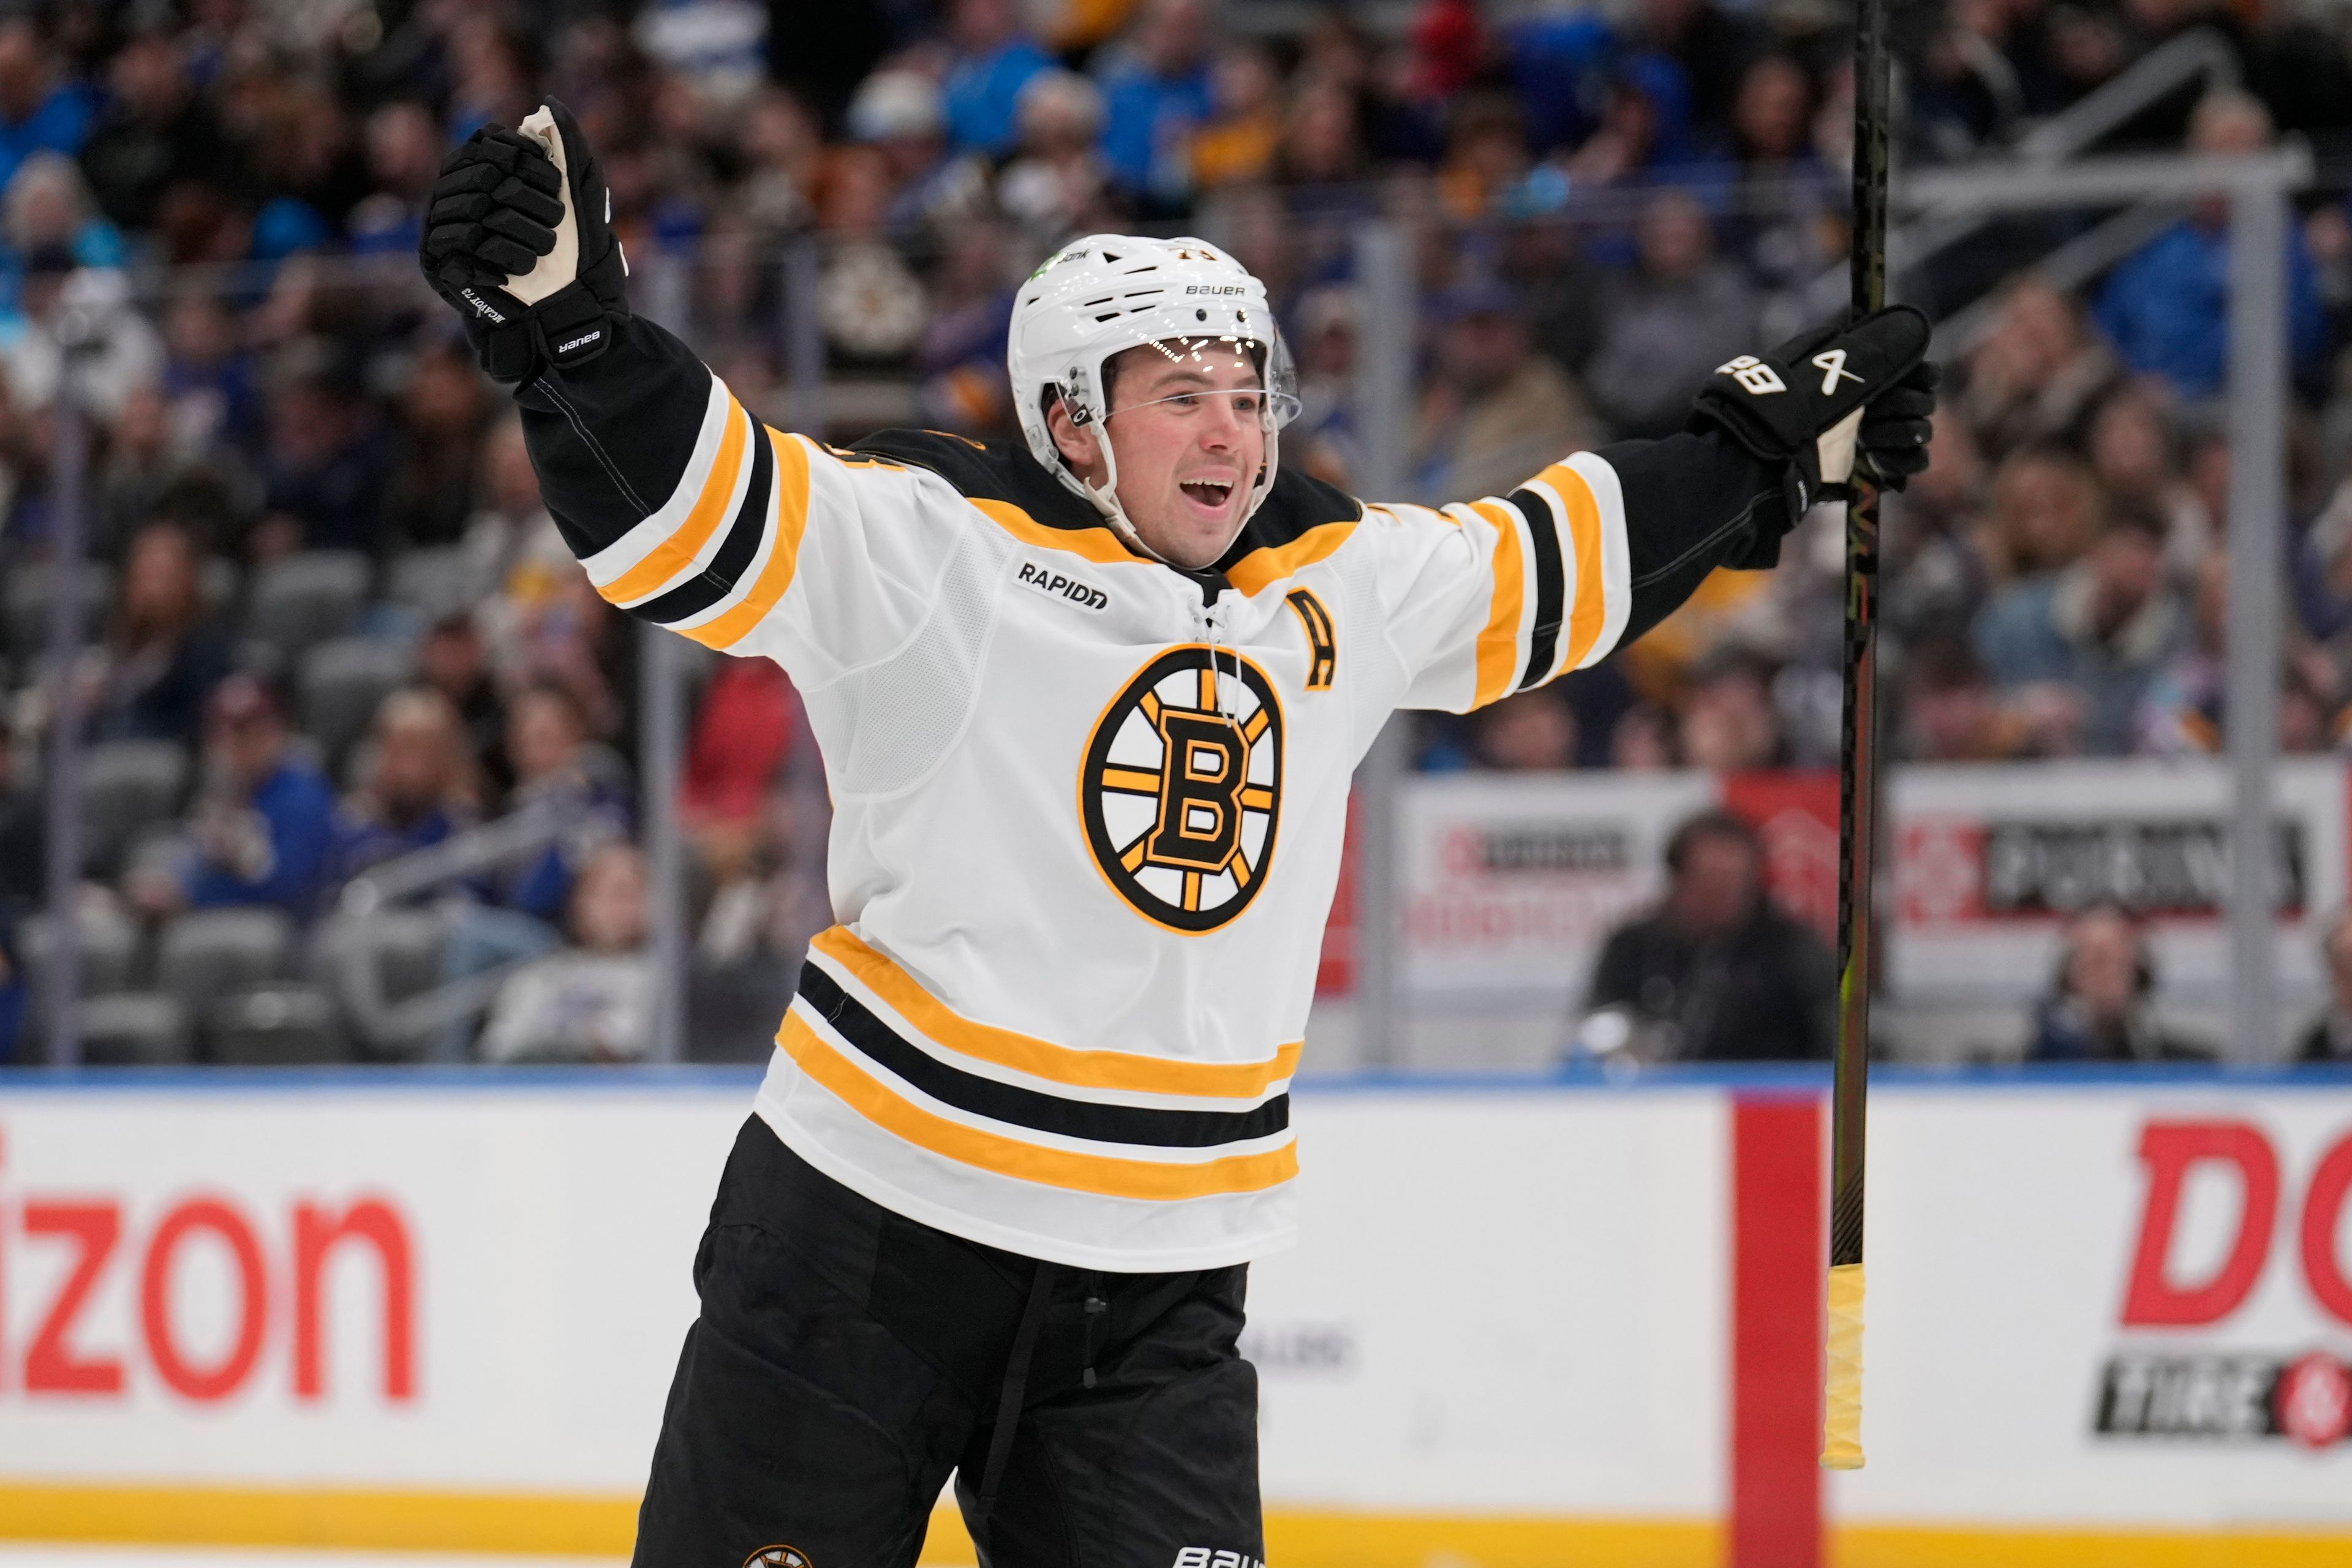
(333, 634)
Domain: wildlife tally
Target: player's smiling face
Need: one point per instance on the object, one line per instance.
(1187, 426)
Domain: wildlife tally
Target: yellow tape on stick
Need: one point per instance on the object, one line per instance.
(1841, 1441)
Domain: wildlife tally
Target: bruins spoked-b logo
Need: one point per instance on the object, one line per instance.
(777, 1557)
(1181, 785)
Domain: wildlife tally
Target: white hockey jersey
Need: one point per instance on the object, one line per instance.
(1088, 808)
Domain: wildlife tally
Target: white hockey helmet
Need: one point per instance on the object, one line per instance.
(1111, 293)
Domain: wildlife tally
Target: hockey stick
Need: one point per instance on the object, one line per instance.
(1857, 781)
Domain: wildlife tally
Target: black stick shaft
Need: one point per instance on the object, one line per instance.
(1858, 772)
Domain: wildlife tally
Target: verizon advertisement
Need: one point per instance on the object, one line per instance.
(2093, 1306)
(1509, 885)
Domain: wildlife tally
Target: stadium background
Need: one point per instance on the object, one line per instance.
(355, 848)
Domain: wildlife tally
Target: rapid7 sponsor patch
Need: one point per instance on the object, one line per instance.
(1084, 595)
(1201, 1557)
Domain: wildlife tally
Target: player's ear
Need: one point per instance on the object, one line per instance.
(1076, 443)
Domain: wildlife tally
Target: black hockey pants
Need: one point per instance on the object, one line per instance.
(846, 1360)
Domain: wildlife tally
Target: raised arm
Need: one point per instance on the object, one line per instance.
(685, 509)
(1493, 596)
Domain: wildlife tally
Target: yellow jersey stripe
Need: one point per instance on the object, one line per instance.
(677, 552)
(791, 521)
(1104, 1175)
(1498, 645)
(1591, 611)
(1261, 569)
(1096, 545)
(1042, 1059)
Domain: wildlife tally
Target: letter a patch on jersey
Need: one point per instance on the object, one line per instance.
(1323, 646)
(1181, 787)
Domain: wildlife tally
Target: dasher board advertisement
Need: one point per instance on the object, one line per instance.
(2103, 1303)
(1509, 885)
(1529, 1321)
(1988, 862)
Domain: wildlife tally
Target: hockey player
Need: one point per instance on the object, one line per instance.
(1088, 706)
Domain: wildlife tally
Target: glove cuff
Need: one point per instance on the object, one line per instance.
(570, 326)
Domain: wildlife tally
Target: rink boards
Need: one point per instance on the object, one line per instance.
(2109, 1318)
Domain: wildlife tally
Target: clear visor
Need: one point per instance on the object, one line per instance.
(1275, 401)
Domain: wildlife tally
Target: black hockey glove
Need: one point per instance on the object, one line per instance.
(518, 237)
(1821, 404)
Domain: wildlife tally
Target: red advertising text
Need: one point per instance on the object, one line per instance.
(2157, 1296)
(278, 1301)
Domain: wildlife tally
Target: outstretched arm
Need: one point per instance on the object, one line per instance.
(1501, 595)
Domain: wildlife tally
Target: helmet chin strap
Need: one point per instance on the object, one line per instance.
(1106, 497)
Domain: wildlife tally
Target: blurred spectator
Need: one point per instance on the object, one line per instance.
(403, 154)
(923, 183)
(443, 410)
(264, 819)
(1728, 721)
(548, 744)
(1055, 187)
(2104, 626)
(2034, 373)
(2182, 713)
(1154, 97)
(2046, 509)
(743, 735)
(995, 60)
(1322, 146)
(1643, 739)
(121, 354)
(49, 213)
(2329, 1037)
(1711, 46)
(1324, 435)
(2101, 1006)
(150, 678)
(1495, 412)
(1486, 156)
(1645, 128)
(1243, 129)
(453, 659)
(137, 469)
(563, 635)
(24, 833)
(1667, 326)
(2135, 455)
(2167, 306)
(2320, 569)
(208, 380)
(1526, 731)
(961, 355)
(1785, 233)
(1948, 710)
(512, 545)
(779, 144)
(1718, 971)
(40, 109)
(156, 134)
(1936, 573)
(593, 999)
(417, 784)
(325, 470)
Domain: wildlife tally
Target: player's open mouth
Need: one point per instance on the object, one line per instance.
(1208, 494)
